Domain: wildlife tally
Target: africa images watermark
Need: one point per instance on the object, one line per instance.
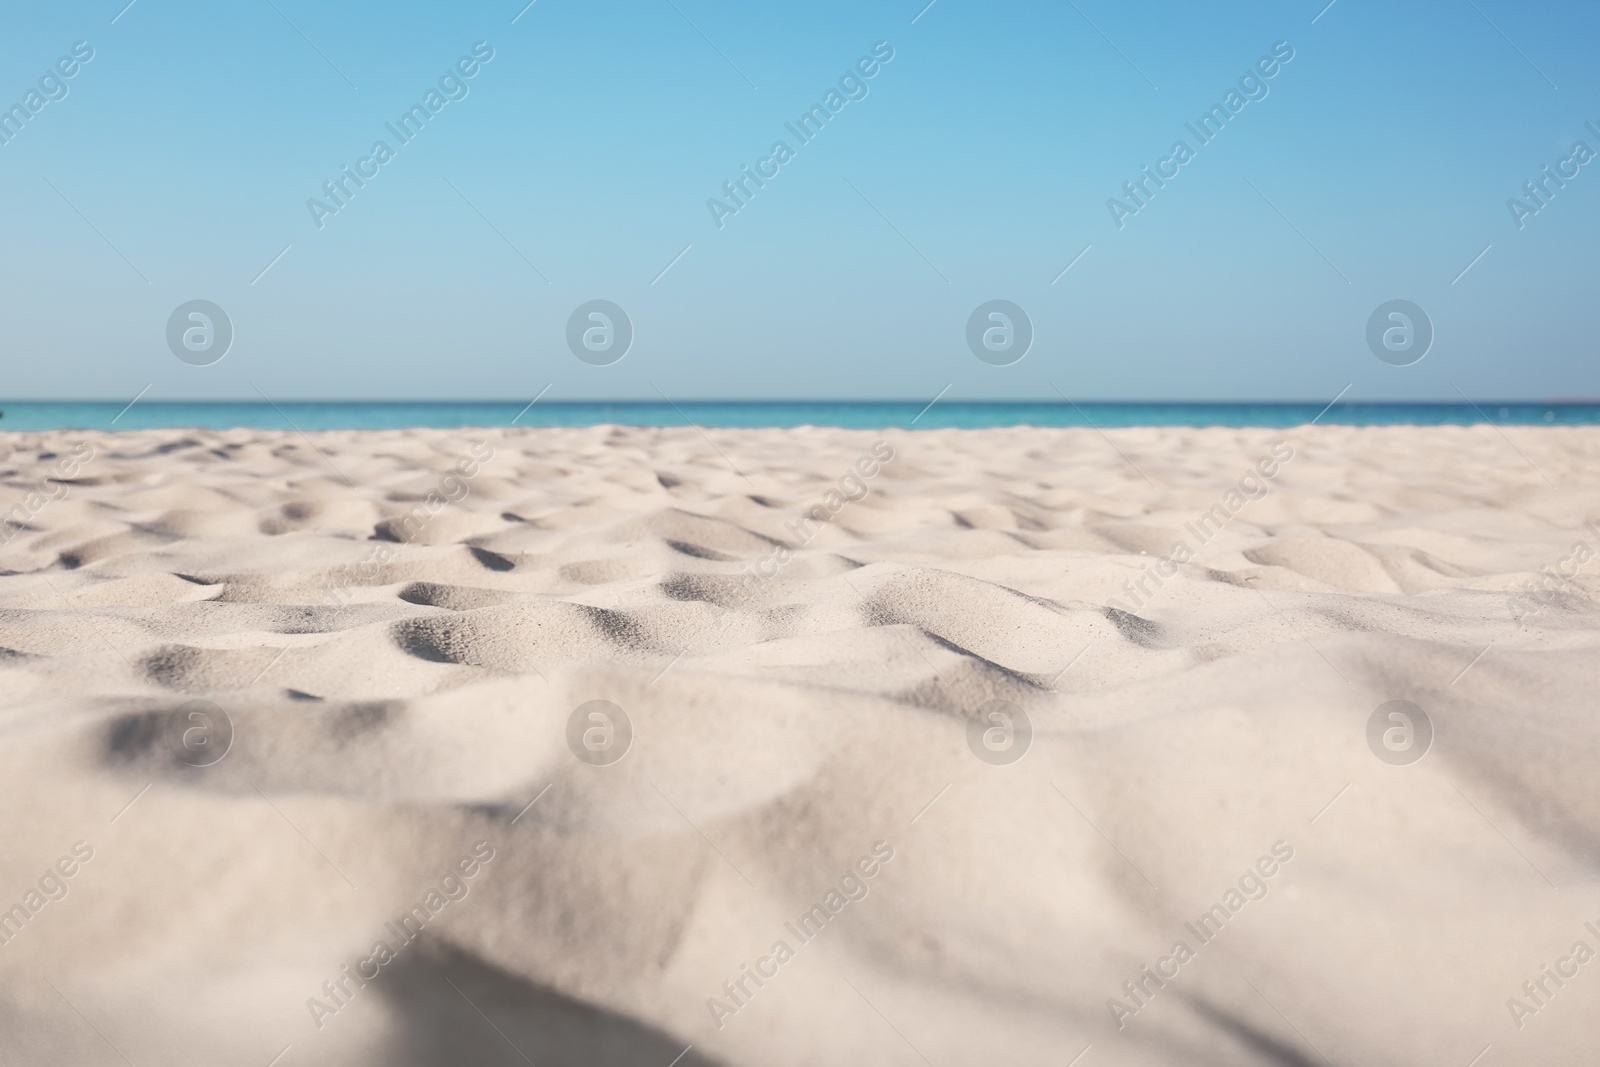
(452, 888)
(1252, 87)
(452, 86)
(1254, 484)
(1554, 579)
(1540, 191)
(852, 85)
(1537, 990)
(52, 88)
(851, 889)
(454, 487)
(1252, 886)
(18, 515)
(52, 887)
(852, 487)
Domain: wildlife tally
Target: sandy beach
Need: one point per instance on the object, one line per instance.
(611, 745)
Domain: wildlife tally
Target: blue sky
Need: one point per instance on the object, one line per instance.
(978, 165)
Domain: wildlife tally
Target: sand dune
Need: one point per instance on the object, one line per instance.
(387, 635)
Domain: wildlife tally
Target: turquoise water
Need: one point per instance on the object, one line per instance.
(42, 415)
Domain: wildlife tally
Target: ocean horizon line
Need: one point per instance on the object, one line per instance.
(814, 401)
(302, 415)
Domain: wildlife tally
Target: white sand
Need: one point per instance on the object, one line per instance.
(396, 702)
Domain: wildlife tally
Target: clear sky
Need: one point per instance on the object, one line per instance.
(577, 163)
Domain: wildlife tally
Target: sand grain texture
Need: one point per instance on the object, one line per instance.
(400, 691)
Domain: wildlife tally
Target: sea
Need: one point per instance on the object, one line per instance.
(345, 415)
